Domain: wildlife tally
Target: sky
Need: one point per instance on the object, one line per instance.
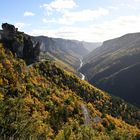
(84, 20)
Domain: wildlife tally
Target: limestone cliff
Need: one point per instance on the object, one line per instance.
(20, 44)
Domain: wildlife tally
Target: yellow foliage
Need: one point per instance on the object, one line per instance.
(1, 66)
(6, 62)
(52, 100)
(28, 100)
(70, 108)
(1, 96)
(1, 81)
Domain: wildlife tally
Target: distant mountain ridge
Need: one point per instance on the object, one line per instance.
(104, 65)
(69, 51)
(58, 44)
(91, 45)
(66, 50)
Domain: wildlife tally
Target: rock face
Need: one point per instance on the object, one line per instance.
(68, 51)
(20, 44)
(63, 45)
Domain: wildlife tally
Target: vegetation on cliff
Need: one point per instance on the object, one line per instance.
(21, 45)
(43, 101)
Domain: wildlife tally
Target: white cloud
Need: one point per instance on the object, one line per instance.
(45, 32)
(69, 18)
(27, 13)
(20, 25)
(129, 6)
(97, 32)
(113, 7)
(116, 27)
(84, 15)
(49, 21)
(59, 5)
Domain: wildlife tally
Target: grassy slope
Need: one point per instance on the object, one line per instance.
(60, 63)
(40, 102)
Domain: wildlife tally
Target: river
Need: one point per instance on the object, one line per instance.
(81, 64)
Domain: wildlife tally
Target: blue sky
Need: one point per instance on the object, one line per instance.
(88, 20)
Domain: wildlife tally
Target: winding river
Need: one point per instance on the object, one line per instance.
(81, 64)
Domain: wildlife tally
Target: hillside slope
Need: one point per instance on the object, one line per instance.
(42, 101)
(68, 51)
(111, 58)
(114, 83)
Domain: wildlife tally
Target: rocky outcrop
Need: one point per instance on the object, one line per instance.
(21, 45)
